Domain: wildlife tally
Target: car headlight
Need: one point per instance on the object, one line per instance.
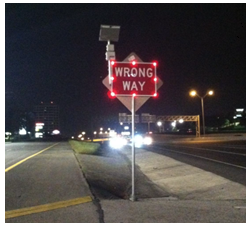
(138, 141)
(117, 142)
(147, 140)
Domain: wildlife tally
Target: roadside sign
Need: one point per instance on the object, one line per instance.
(124, 118)
(147, 118)
(131, 81)
(126, 100)
(134, 78)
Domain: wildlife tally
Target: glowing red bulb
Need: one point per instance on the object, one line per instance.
(155, 63)
(113, 94)
(155, 79)
(112, 62)
(134, 94)
(133, 62)
(155, 94)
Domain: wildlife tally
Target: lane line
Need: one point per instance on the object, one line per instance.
(239, 207)
(46, 207)
(198, 156)
(213, 150)
(241, 147)
(18, 163)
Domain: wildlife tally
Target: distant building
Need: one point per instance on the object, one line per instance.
(47, 115)
(239, 117)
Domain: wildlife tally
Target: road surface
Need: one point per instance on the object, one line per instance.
(45, 176)
(224, 158)
(174, 171)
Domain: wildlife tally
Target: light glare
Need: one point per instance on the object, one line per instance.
(117, 142)
(211, 92)
(147, 140)
(138, 141)
(193, 93)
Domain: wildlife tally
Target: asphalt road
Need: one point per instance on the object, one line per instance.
(182, 169)
(223, 158)
(109, 172)
(38, 174)
(15, 152)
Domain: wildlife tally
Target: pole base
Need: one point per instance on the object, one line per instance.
(133, 198)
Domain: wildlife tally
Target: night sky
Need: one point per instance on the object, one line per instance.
(53, 53)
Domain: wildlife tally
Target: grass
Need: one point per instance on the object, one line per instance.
(82, 147)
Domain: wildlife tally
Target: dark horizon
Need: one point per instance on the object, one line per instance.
(52, 53)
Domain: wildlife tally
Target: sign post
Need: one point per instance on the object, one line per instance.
(130, 79)
(133, 79)
(133, 198)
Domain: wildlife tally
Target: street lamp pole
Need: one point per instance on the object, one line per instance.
(202, 110)
(194, 93)
(159, 123)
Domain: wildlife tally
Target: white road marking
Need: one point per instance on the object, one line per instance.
(198, 156)
(213, 150)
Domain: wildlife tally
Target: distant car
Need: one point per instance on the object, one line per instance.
(127, 138)
(119, 141)
(141, 140)
(187, 131)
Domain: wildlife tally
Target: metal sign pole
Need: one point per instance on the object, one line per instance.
(132, 198)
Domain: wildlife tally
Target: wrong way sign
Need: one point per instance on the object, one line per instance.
(126, 99)
(134, 78)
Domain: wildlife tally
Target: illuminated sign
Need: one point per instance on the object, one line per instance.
(39, 126)
(134, 78)
(56, 132)
(22, 131)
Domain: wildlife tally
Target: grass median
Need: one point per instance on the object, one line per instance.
(82, 147)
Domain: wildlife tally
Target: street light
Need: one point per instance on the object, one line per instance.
(193, 93)
(181, 120)
(159, 124)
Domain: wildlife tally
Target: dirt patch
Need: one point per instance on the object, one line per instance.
(108, 173)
